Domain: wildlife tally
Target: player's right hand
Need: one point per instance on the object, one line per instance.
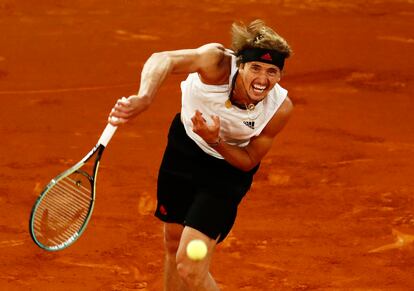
(127, 108)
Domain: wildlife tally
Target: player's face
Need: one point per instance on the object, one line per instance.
(259, 78)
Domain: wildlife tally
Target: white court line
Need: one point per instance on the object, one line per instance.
(109, 266)
(396, 38)
(42, 91)
(11, 243)
(401, 240)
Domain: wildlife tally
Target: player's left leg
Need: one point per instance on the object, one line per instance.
(172, 237)
(195, 274)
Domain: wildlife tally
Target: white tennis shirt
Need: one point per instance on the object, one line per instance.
(237, 126)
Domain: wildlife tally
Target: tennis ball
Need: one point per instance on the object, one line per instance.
(196, 249)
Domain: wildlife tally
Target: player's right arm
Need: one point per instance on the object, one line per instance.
(208, 60)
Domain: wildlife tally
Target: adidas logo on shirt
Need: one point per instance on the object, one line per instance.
(249, 124)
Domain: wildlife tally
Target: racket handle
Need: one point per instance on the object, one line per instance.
(107, 134)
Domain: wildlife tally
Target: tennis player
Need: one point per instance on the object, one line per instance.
(232, 109)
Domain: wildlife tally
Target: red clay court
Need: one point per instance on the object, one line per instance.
(332, 207)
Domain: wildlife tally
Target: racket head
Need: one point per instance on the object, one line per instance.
(63, 209)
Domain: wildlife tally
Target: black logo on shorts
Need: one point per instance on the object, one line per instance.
(249, 124)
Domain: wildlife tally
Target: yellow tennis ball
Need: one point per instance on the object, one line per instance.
(196, 249)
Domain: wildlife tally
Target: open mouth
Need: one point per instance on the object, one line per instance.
(258, 88)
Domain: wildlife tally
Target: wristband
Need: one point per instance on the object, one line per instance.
(214, 144)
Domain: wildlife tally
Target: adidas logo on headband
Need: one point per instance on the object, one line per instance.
(263, 55)
(266, 57)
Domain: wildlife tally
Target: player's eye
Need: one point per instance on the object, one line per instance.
(255, 68)
(272, 72)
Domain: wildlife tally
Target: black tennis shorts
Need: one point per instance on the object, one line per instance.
(196, 189)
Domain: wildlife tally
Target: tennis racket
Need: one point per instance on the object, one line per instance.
(63, 209)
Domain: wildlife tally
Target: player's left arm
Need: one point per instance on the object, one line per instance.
(246, 158)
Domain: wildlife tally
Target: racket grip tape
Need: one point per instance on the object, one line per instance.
(107, 134)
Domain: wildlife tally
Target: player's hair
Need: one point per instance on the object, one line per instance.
(257, 35)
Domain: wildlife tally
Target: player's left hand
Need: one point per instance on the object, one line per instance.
(210, 133)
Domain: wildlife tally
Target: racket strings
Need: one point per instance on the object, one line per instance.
(63, 210)
(57, 220)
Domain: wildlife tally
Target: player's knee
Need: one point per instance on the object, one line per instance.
(172, 240)
(191, 275)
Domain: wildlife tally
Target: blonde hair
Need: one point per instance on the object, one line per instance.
(257, 35)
